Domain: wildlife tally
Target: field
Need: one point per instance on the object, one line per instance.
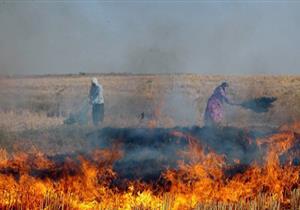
(50, 161)
(44, 101)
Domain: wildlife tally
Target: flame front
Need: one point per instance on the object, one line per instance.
(34, 181)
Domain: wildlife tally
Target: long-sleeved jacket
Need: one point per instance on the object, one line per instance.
(214, 110)
(96, 94)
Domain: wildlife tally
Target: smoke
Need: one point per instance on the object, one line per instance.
(180, 107)
(149, 37)
(148, 152)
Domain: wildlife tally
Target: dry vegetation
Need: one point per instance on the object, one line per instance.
(56, 201)
(32, 111)
(37, 102)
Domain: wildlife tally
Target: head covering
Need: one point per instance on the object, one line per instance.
(95, 81)
(224, 84)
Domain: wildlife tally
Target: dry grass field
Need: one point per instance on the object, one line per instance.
(45, 101)
(33, 110)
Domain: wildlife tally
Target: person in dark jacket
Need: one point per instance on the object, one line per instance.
(214, 111)
(97, 101)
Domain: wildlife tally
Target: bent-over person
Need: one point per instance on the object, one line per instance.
(214, 112)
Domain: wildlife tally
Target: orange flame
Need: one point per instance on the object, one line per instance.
(34, 181)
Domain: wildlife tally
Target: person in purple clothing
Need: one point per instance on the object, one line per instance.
(214, 111)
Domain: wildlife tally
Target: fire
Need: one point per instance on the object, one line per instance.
(208, 182)
(202, 177)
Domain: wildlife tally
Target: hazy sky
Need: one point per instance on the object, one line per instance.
(220, 37)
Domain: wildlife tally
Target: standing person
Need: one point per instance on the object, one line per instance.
(97, 101)
(214, 112)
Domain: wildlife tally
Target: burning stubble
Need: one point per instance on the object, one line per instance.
(146, 162)
(138, 168)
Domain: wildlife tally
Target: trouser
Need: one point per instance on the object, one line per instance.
(98, 113)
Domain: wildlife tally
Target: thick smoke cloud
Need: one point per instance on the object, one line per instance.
(149, 37)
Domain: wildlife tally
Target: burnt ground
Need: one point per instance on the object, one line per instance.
(146, 152)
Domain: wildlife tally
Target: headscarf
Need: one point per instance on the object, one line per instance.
(224, 84)
(95, 81)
